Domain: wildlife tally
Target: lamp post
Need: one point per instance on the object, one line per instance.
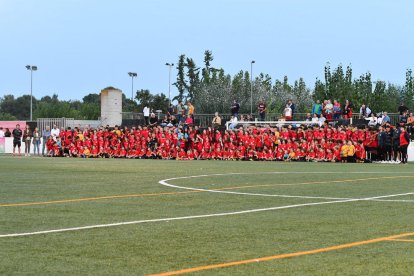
(132, 75)
(251, 86)
(31, 68)
(169, 82)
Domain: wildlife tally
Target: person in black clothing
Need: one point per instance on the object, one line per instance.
(381, 144)
(402, 108)
(396, 143)
(388, 143)
(17, 139)
(7, 133)
(235, 109)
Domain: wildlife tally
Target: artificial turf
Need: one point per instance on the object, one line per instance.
(56, 185)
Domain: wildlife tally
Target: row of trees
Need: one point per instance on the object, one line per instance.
(211, 89)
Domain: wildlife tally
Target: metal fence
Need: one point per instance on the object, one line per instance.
(42, 123)
(205, 120)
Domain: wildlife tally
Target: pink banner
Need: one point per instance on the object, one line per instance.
(12, 125)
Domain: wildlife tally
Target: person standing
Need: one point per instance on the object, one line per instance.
(235, 109)
(191, 110)
(287, 113)
(27, 138)
(292, 107)
(262, 110)
(329, 111)
(146, 112)
(17, 139)
(317, 108)
(45, 137)
(347, 110)
(336, 110)
(55, 132)
(404, 142)
(36, 141)
(402, 108)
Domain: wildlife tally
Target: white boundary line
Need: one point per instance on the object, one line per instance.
(164, 182)
(190, 217)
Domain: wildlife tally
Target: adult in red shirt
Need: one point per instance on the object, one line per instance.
(404, 142)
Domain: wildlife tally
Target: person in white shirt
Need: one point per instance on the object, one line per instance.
(1, 132)
(233, 122)
(55, 132)
(364, 112)
(373, 120)
(146, 112)
(288, 113)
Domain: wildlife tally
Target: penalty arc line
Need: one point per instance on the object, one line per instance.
(189, 217)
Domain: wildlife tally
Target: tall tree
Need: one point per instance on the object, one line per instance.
(181, 83)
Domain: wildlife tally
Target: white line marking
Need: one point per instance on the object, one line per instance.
(164, 182)
(192, 217)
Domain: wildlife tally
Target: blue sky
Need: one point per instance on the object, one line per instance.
(82, 46)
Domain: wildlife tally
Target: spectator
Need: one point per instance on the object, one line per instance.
(364, 112)
(373, 120)
(191, 109)
(317, 108)
(292, 106)
(235, 108)
(308, 117)
(189, 121)
(165, 122)
(216, 123)
(170, 110)
(404, 142)
(287, 113)
(410, 124)
(402, 108)
(180, 107)
(36, 141)
(27, 138)
(347, 110)
(403, 119)
(55, 132)
(146, 112)
(17, 139)
(336, 110)
(385, 118)
(45, 137)
(153, 121)
(329, 110)
(315, 120)
(262, 110)
(233, 122)
(7, 132)
(1, 132)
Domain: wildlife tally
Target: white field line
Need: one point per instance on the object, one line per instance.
(192, 217)
(164, 182)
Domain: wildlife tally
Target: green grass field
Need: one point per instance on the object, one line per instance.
(238, 218)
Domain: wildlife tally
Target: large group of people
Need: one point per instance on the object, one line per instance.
(179, 139)
(322, 144)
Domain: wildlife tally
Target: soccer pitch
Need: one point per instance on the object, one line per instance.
(142, 217)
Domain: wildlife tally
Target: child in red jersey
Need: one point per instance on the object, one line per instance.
(320, 155)
(311, 155)
(94, 152)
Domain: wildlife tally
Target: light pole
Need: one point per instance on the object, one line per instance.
(169, 82)
(31, 68)
(132, 75)
(251, 86)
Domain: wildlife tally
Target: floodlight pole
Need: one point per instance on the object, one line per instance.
(169, 82)
(31, 68)
(132, 75)
(251, 86)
